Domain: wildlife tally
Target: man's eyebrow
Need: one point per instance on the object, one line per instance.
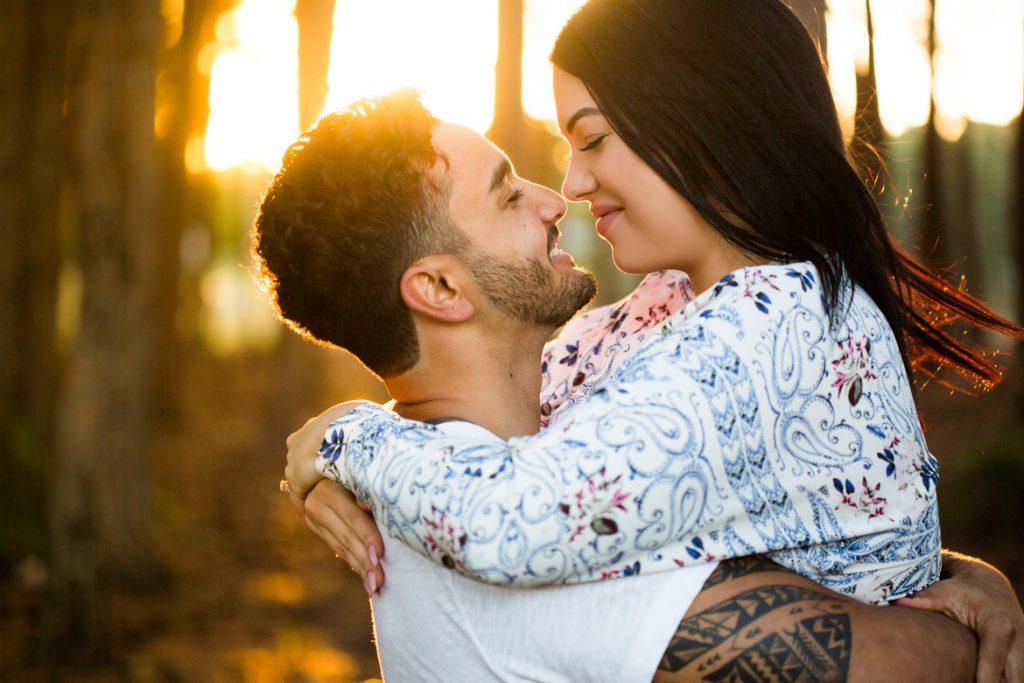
(501, 171)
(586, 111)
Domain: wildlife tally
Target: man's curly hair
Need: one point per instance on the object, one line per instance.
(355, 203)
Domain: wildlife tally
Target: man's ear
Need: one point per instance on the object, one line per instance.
(435, 286)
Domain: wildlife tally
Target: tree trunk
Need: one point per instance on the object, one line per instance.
(315, 19)
(968, 242)
(1017, 225)
(934, 250)
(507, 125)
(1017, 233)
(179, 74)
(100, 510)
(867, 131)
(32, 62)
(526, 141)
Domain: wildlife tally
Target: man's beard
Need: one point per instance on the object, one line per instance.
(527, 291)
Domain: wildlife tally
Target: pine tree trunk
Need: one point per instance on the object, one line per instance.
(181, 97)
(969, 241)
(507, 126)
(32, 39)
(935, 250)
(867, 132)
(100, 507)
(1017, 234)
(316, 20)
(1017, 226)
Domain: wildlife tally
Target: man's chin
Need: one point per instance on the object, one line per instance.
(580, 287)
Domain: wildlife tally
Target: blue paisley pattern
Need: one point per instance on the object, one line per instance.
(749, 421)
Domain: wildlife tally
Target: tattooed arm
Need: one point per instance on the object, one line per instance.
(756, 621)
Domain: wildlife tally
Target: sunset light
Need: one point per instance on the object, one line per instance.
(253, 87)
(901, 63)
(446, 49)
(225, 226)
(846, 43)
(979, 61)
(542, 21)
(979, 64)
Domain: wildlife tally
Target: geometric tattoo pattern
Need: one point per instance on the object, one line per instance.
(740, 566)
(809, 638)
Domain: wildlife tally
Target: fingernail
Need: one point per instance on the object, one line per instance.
(367, 584)
(372, 578)
(373, 555)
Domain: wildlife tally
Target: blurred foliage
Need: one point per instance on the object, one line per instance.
(23, 498)
(981, 505)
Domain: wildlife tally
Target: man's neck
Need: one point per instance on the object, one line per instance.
(493, 382)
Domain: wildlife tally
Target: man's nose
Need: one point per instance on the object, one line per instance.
(552, 205)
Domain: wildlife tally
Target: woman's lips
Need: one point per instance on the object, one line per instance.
(604, 222)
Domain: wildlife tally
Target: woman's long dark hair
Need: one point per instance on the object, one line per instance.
(728, 101)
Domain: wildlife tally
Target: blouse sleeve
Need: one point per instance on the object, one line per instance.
(732, 432)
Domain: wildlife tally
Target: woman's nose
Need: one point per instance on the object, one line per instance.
(578, 183)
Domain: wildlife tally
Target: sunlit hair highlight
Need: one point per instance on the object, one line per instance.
(356, 202)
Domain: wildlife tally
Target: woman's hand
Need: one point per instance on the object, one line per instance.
(328, 509)
(300, 475)
(977, 595)
(344, 524)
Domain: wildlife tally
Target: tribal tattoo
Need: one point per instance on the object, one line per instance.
(740, 566)
(779, 633)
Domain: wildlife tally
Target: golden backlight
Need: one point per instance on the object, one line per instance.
(542, 21)
(444, 48)
(447, 50)
(979, 61)
(254, 110)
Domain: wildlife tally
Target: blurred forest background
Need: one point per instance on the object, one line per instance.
(146, 390)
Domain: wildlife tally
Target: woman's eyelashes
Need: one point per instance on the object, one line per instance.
(594, 143)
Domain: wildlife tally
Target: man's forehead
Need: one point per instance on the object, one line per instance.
(469, 155)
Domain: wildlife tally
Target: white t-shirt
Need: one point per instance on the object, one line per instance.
(432, 624)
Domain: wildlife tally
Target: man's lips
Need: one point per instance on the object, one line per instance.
(556, 255)
(554, 234)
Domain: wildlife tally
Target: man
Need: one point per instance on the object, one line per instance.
(412, 244)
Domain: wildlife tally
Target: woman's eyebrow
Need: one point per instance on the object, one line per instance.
(585, 111)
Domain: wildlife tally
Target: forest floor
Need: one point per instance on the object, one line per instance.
(252, 596)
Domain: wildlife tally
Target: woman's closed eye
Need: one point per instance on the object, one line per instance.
(594, 143)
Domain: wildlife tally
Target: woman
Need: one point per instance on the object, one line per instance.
(706, 140)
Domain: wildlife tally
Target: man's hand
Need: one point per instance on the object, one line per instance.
(344, 524)
(978, 596)
(300, 476)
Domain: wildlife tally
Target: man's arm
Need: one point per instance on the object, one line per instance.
(980, 597)
(755, 621)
